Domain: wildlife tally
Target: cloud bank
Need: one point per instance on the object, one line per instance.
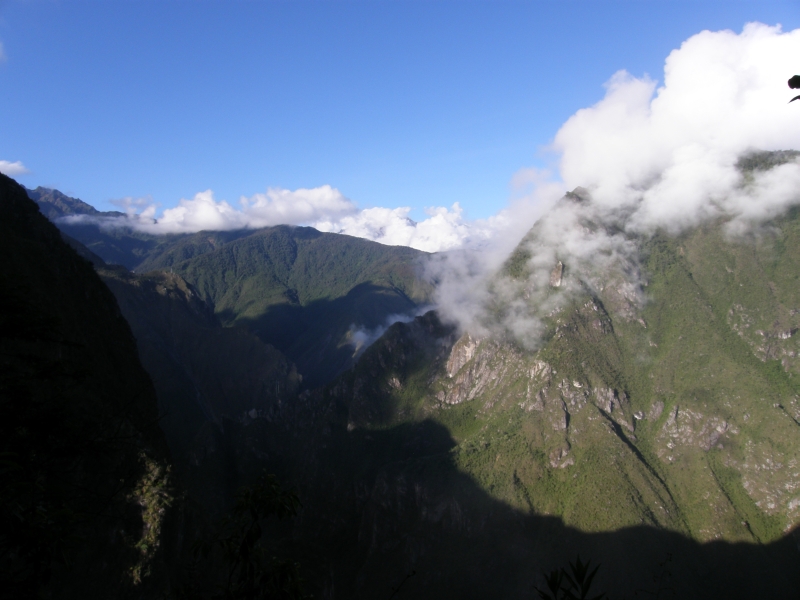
(324, 208)
(12, 169)
(667, 155)
(649, 158)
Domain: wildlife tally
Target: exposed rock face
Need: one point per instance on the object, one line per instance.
(768, 340)
(686, 427)
(556, 274)
(461, 354)
(771, 478)
(483, 373)
(655, 410)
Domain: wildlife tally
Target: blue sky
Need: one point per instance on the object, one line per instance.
(408, 103)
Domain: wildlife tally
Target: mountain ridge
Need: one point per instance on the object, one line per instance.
(301, 291)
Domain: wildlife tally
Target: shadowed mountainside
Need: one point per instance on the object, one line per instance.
(204, 375)
(85, 488)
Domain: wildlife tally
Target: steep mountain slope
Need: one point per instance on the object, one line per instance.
(404, 490)
(55, 205)
(95, 229)
(204, 375)
(300, 290)
(85, 490)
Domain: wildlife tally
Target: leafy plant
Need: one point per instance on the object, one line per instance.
(570, 585)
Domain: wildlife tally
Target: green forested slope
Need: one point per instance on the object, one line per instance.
(683, 414)
(298, 289)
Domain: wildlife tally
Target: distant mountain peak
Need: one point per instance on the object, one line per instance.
(55, 204)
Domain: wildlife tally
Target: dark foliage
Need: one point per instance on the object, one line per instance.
(571, 584)
(239, 555)
(794, 83)
(78, 420)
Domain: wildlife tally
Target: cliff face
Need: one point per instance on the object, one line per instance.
(85, 491)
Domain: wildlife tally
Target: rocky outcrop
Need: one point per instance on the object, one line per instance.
(685, 427)
(771, 478)
(463, 351)
(475, 368)
(557, 274)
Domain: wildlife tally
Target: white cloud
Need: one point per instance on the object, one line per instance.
(324, 208)
(279, 206)
(668, 155)
(12, 169)
(442, 230)
(651, 157)
(204, 212)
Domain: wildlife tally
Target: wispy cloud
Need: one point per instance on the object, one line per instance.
(361, 338)
(12, 169)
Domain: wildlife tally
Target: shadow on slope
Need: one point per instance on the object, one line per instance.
(385, 496)
(203, 373)
(85, 489)
(316, 336)
(388, 509)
